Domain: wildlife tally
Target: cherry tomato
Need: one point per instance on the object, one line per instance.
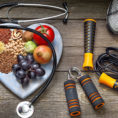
(47, 32)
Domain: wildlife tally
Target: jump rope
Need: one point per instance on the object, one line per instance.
(106, 67)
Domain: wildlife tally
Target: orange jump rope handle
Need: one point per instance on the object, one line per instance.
(72, 98)
(89, 35)
(108, 81)
(91, 92)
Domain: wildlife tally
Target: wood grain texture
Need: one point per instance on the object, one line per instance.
(52, 104)
(79, 9)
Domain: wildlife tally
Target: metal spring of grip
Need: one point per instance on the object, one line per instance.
(75, 70)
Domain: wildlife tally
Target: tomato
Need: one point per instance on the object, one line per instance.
(47, 32)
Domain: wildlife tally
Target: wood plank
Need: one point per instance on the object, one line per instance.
(53, 103)
(79, 9)
(73, 56)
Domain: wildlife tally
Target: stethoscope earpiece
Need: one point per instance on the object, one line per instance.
(65, 5)
(65, 20)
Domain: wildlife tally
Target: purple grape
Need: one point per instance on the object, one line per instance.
(25, 66)
(20, 57)
(35, 62)
(30, 58)
(31, 75)
(20, 74)
(25, 81)
(16, 67)
(22, 61)
(35, 66)
(40, 72)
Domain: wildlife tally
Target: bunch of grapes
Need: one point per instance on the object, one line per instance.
(26, 69)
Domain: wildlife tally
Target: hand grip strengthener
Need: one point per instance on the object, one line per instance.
(89, 88)
(89, 36)
(91, 92)
(72, 97)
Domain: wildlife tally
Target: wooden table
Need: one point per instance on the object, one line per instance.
(52, 104)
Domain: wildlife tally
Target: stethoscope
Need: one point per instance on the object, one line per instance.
(16, 4)
(25, 109)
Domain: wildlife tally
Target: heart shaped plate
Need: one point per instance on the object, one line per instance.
(10, 81)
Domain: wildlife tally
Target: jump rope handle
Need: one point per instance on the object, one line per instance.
(91, 92)
(108, 81)
(89, 36)
(72, 98)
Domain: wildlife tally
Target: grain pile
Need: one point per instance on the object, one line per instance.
(6, 62)
(13, 47)
(16, 47)
(5, 35)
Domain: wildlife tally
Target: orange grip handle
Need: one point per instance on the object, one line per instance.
(72, 98)
(108, 81)
(89, 35)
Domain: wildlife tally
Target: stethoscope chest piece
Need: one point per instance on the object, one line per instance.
(25, 109)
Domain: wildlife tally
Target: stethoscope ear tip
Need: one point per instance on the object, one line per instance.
(65, 21)
(65, 5)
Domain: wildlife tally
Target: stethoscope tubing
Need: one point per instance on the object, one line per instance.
(13, 5)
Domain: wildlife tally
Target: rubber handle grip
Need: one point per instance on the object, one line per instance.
(89, 36)
(91, 92)
(108, 81)
(72, 98)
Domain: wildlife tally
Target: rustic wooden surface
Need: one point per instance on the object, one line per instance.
(52, 103)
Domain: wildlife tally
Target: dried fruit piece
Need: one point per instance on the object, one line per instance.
(2, 47)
